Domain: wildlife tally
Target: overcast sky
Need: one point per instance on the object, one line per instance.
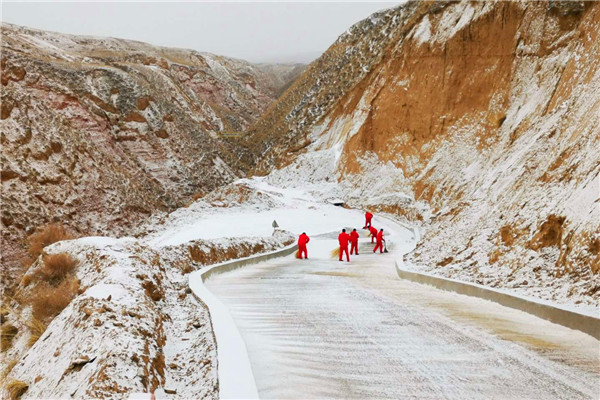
(257, 32)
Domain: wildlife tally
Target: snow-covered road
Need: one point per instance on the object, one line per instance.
(319, 328)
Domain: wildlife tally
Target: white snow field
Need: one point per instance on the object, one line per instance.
(320, 328)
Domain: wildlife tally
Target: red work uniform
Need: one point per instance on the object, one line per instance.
(344, 238)
(302, 241)
(380, 241)
(368, 217)
(373, 232)
(354, 242)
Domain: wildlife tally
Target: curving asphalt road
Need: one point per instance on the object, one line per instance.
(320, 328)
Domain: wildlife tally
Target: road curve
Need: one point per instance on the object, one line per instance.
(320, 328)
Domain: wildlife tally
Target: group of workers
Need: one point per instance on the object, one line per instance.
(346, 239)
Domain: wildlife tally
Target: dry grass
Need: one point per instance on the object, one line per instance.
(4, 311)
(184, 266)
(36, 330)
(56, 267)
(45, 236)
(26, 280)
(7, 334)
(15, 389)
(48, 301)
(9, 367)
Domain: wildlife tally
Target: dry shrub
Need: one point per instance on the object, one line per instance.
(57, 266)
(4, 311)
(48, 301)
(45, 236)
(26, 280)
(9, 367)
(7, 334)
(36, 330)
(184, 266)
(15, 389)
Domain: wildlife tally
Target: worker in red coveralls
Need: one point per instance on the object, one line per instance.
(344, 238)
(368, 217)
(380, 241)
(302, 241)
(354, 242)
(373, 232)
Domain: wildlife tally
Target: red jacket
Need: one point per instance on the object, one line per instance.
(354, 237)
(373, 231)
(380, 237)
(303, 239)
(343, 238)
(368, 216)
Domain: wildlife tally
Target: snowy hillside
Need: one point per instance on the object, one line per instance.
(99, 133)
(477, 122)
(470, 130)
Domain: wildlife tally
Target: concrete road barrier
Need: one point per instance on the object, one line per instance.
(231, 265)
(571, 319)
(236, 380)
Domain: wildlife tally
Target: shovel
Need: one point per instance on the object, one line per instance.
(385, 247)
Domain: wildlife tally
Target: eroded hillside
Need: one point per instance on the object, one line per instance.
(97, 134)
(488, 114)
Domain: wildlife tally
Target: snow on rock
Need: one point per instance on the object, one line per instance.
(133, 326)
(422, 32)
(491, 126)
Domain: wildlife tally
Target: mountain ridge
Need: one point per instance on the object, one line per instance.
(99, 133)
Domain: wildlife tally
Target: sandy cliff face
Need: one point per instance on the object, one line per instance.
(490, 113)
(100, 133)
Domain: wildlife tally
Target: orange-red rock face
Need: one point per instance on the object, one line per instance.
(491, 110)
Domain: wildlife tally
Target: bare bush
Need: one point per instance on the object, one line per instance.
(10, 364)
(15, 389)
(7, 334)
(45, 236)
(56, 266)
(36, 330)
(48, 301)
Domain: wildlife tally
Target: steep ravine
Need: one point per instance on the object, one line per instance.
(486, 114)
(100, 133)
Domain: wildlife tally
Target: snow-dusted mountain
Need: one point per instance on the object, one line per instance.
(477, 123)
(99, 133)
(486, 114)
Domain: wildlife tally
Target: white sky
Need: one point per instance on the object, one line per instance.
(254, 31)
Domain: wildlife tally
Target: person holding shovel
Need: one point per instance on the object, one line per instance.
(380, 241)
(302, 241)
(373, 232)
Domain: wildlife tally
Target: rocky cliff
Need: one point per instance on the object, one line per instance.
(485, 115)
(99, 133)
